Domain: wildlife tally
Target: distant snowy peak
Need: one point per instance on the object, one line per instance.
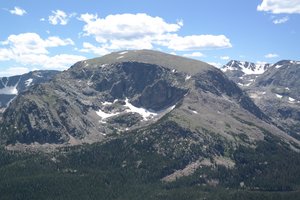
(10, 87)
(245, 67)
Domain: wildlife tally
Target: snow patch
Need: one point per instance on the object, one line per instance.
(123, 52)
(292, 99)
(120, 57)
(105, 115)
(187, 77)
(287, 88)
(9, 90)
(254, 96)
(246, 67)
(278, 66)
(28, 82)
(107, 103)
(279, 96)
(257, 70)
(146, 114)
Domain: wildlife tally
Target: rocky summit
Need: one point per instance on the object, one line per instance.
(145, 125)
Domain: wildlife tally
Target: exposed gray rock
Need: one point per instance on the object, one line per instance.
(101, 98)
(10, 87)
(276, 92)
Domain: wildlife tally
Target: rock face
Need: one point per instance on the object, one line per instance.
(106, 97)
(276, 92)
(10, 87)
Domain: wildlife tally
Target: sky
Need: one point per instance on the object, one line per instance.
(54, 34)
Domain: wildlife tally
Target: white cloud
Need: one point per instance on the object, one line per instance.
(126, 26)
(12, 71)
(281, 20)
(280, 6)
(196, 42)
(225, 57)
(62, 61)
(141, 31)
(18, 11)
(271, 55)
(5, 54)
(88, 47)
(262, 63)
(218, 65)
(30, 49)
(194, 54)
(60, 17)
(32, 43)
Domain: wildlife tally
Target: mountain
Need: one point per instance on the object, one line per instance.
(244, 73)
(99, 98)
(276, 92)
(10, 87)
(143, 125)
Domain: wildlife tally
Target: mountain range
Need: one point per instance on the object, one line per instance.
(10, 87)
(275, 90)
(149, 125)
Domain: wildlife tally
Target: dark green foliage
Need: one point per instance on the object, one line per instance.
(132, 165)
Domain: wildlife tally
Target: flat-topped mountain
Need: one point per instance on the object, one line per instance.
(162, 127)
(103, 97)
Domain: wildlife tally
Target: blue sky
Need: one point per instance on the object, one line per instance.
(54, 34)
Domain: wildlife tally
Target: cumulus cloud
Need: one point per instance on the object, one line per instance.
(60, 17)
(5, 54)
(141, 31)
(280, 6)
(32, 43)
(218, 65)
(225, 57)
(30, 49)
(271, 55)
(12, 71)
(194, 54)
(126, 26)
(88, 47)
(281, 20)
(18, 11)
(196, 42)
(261, 63)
